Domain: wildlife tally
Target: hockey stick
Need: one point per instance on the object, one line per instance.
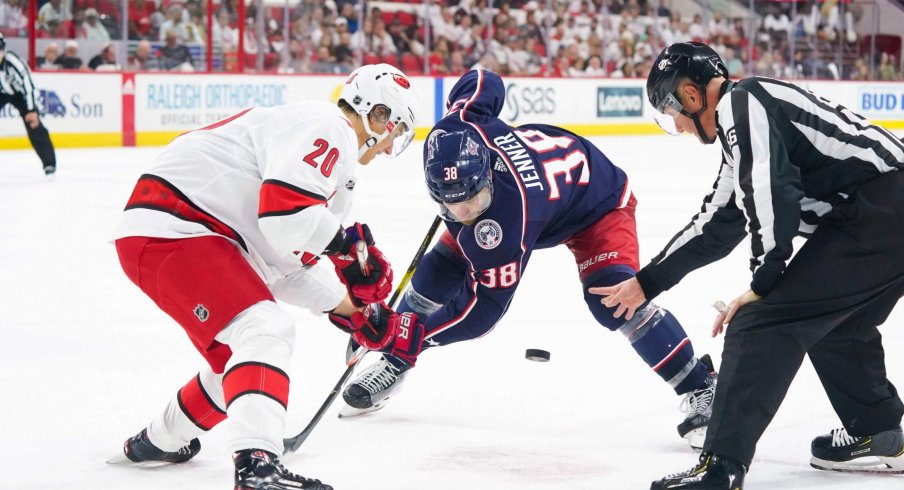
(291, 444)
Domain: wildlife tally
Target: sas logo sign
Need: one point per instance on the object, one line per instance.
(619, 101)
(528, 100)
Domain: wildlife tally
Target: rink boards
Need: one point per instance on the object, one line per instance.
(129, 109)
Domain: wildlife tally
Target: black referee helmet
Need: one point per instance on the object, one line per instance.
(692, 60)
(2, 42)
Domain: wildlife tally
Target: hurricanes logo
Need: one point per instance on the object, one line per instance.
(201, 312)
(488, 234)
(402, 81)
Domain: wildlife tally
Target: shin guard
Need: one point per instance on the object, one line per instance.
(653, 332)
(196, 408)
(256, 383)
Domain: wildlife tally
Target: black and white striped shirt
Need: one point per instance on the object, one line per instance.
(788, 156)
(15, 79)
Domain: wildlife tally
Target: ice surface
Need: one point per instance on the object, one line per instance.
(86, 358)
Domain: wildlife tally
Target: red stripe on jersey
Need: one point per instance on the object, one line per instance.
(256, 378)
(447, 240)
(197, 405)
(626, 195)
(278, 198)
(152, 192)
(219, 123)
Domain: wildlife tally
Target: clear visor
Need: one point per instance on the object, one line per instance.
(666, 112)
(467, 210)
(401, 135)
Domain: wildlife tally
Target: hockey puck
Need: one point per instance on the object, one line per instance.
(537, 355)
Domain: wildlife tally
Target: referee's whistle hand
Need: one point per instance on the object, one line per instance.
(725, 317)
(625, 296)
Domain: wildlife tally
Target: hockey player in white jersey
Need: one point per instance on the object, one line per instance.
(236, 214)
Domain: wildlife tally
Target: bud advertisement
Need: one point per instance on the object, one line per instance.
(881, 101)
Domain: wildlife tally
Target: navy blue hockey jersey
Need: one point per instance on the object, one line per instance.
(549, 184)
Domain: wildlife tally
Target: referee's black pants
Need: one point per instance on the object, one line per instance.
(839, 287)
(39, 137)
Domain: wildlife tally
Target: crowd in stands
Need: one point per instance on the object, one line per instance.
(572, 38)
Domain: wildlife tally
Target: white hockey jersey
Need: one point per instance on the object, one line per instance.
(276, 181)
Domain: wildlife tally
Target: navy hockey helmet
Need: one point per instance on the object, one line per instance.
(693, 61)
(458, 169)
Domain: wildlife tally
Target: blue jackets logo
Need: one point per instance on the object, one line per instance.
(619, 101)
(488, 234)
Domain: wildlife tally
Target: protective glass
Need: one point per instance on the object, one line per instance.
(666, 112)
(468, 210)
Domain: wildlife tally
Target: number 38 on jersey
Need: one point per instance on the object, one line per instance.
(556, 157)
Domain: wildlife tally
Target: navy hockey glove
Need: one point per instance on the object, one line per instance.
(370, 285)
(379, 328)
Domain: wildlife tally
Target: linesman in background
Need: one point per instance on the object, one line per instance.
(17, 88)
(792, 164)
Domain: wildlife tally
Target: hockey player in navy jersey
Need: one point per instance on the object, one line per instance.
(503, 192)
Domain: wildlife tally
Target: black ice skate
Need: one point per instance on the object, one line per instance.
(139, 449)
(713, 472)
(370, 391)
(840, 451)
(698, 405)
(256, 469)
(49, 170)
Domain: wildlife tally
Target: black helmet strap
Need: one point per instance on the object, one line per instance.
(696, 117)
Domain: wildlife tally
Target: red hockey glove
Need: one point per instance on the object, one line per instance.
(381, 329)
(373, 286)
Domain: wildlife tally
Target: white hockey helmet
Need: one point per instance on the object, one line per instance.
(385, 88)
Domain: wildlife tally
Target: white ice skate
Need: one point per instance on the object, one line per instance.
(698, 407)
(371, 390)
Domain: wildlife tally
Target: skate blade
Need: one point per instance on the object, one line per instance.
(121, 459)
(871, 464)
(696, 438)
(348, 411)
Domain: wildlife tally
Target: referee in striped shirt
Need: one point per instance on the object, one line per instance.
(793, 163)
(17, 88)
